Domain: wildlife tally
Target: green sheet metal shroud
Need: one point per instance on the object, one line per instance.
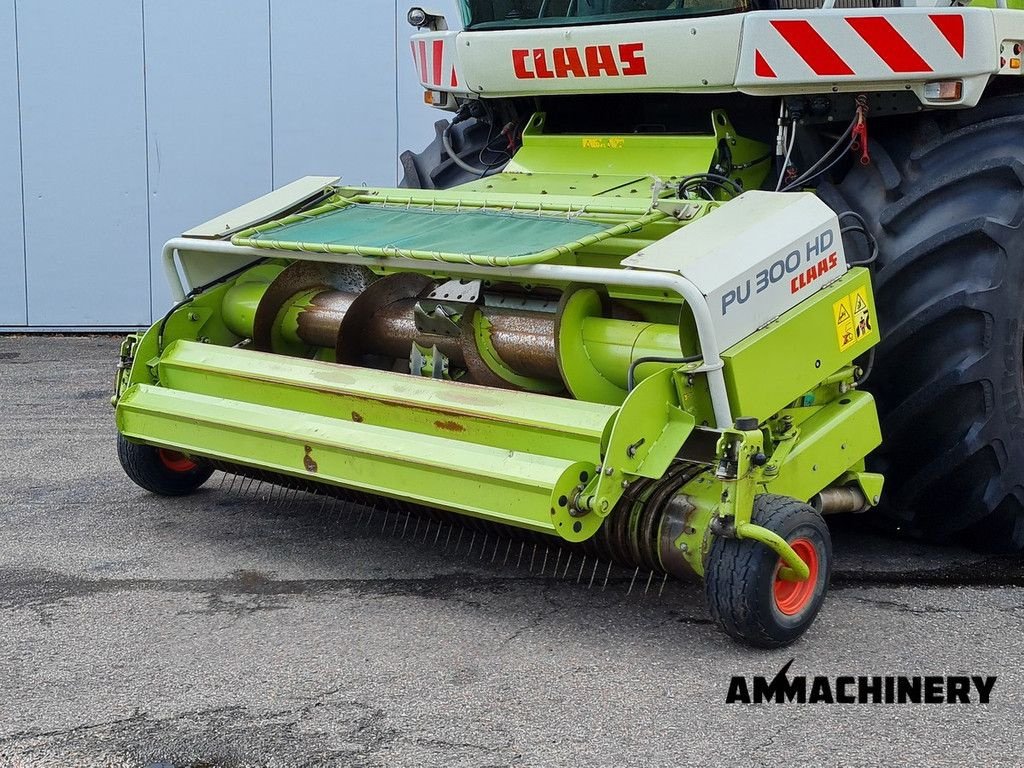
(477, 235)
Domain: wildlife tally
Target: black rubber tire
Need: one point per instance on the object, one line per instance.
(433, 168)
(944, 197)
(739, 575)
(142, 463)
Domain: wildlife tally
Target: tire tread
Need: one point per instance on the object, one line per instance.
(937, 183)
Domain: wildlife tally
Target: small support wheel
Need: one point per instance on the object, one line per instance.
(747, 598)
(161, 471)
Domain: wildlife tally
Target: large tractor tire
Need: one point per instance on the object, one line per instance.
(944, 198)
(433, 168)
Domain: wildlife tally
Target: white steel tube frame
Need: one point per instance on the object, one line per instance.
(628, 278)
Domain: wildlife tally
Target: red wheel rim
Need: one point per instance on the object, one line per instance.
(174, 461)
(791, 597)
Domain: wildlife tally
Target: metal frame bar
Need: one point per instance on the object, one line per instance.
(627, 278)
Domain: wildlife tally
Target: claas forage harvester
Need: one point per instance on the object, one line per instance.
(625, 302)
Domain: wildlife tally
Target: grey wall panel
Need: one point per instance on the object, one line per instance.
(334, 90)
(84, 150)
(208, 114)
(141, 118)
(415, 119)
(12, 236)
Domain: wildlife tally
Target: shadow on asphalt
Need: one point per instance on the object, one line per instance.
(313, 524)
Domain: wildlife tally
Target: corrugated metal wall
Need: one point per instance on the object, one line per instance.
(124, 122)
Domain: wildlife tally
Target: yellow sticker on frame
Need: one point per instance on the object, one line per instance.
(861, 313)
(852, 316)
(843, 314)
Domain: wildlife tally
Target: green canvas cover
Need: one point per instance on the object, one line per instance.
(488, 236)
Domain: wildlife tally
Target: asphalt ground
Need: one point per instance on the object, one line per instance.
(225, 629)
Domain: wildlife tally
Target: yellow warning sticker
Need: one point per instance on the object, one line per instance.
(852, 314)
(844, 322)
(861, 313)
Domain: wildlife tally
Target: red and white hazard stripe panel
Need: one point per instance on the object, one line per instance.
(435, 60)
(836, 44)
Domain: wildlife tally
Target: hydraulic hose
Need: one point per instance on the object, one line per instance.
(447, 142)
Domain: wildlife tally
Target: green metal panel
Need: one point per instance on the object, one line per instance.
(505, 486)
(595, 352)
(620, 169)
(648, 432)
(243, 297)
(1016, 5)
(837, 437)
(628, 157)
(621, 166)
(771, 368)
(590, 185)
(515, 421)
